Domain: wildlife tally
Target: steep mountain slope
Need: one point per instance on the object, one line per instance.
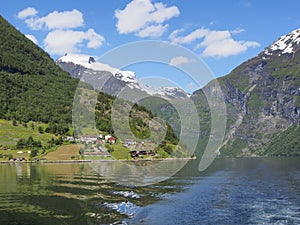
(32, 86)
(263, 100)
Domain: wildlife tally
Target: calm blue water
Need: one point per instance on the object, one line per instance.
(230, 191)
(233, 191)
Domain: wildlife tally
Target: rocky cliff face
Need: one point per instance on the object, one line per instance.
(262, 96)
(101, 80)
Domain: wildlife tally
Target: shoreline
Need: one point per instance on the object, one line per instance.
(134, 160)
(98, 160)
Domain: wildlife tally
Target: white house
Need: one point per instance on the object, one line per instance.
(108, 136)
(70, 138)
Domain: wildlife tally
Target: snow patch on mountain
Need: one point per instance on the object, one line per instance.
(286, 44)
(127, 76)
(169, 92)
(174, 92)
(89, 62)
(92, 67)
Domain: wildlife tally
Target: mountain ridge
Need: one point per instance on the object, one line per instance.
(262, 96)
(112, 80)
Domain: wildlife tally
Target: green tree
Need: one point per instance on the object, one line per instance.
(30, 142)
(41, 130)
(34, 153)
(14, 123)
(21, 144)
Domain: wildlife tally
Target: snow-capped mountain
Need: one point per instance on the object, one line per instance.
(262, 101)
(174, 92)
(286, 44)
(89, 63)
(111, 80)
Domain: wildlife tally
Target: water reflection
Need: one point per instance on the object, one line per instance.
(138, 173)
(230, 191)
(69, 194)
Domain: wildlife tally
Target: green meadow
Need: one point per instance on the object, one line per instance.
(10, 134)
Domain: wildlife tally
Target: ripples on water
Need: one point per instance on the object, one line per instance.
(126, 208)
(231, 191)
(127, 194)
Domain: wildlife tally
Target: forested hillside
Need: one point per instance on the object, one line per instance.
(35, 90)
(32, 86)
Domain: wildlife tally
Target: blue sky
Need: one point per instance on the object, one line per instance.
(222, 33)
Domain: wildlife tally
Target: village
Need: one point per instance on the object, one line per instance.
(103, 145)
(95, 147)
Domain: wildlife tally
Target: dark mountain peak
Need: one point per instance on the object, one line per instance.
(91, 60)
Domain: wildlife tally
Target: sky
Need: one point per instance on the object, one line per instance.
(223, 34)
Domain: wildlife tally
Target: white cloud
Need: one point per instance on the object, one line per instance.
(197, 34)
(227, 47)
(153, 31)
(62, 37)
(142, 17)
(221, 44)
(163, 13)
(174, 34)
(215, 43)
(27, 13)
(94, 40)
(34, 23)
(62, 41)
(237, 31)
(56, 20)
(64, 20)
(32, 38)
(179, 60)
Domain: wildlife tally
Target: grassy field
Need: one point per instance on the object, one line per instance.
(15, 154)
(68, 152)
(120, 152)
(64, 152)
(9, 134)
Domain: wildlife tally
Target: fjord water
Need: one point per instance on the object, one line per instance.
(230, 191)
